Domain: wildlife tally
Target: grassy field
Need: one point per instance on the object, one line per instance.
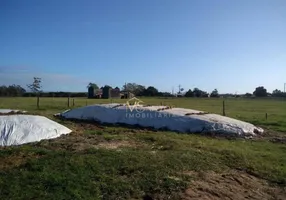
(109, 162)
(251, 110)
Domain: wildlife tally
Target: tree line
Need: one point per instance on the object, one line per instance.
(12, 91)
(262, 92)
(136, 89)
(18, 91)
(141, 90)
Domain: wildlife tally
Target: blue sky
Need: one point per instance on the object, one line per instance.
(230, 45)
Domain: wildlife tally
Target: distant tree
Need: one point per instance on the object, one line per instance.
(12, 90)
(260, 92)
(179, 93)
(130, 87)
(165, 94)
(107, 86)
(136, 89)
(248, 95)
(21, 90)
(94, 85)
(139, 90)
(151, 91)
(36, 86)
(278, 93)
(189, 93)
(214, 93)
(199, 93)
(205, 94)
(3, 90)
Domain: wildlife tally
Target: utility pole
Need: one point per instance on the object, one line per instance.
(179, 89)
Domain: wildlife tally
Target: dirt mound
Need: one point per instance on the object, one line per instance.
(232, 185)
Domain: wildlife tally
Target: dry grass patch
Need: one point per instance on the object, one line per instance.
(230, 185)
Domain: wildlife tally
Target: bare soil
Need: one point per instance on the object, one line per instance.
(79, 141)
(11, 161)
(234, 185)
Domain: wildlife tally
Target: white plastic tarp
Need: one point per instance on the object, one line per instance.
(21, 129)
(7, 111)
(175, 119)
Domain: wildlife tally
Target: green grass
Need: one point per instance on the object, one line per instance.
(156, 169)
(154, 165)
(251, 110)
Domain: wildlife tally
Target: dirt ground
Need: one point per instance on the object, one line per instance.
(231, 185)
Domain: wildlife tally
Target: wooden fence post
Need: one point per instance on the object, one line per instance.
(68, 101)
(223, 108)
(73, 102)
(266, 116)
(38, 101)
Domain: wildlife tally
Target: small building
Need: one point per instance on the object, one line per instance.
(126, 94)
(107, 92)
(115, 93)
(98, 93)
(90, 92)
(94, 93)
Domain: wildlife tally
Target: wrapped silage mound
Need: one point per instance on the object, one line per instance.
(21, 129)
(10, 111)
(162, 117)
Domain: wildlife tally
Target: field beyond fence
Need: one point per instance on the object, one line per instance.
(269, 113)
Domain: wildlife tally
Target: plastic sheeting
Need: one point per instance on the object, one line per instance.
(7, 111)
(175, 119)
(21, 129)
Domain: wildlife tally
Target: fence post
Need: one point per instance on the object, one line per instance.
(223, 108)
(69, 101)
(73, 102)
(266, 116)
(38, 101)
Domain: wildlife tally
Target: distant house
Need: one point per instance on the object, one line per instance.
(94, 93)
(98, 93)
(126, 94)
(107, 92)
(115, 93)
